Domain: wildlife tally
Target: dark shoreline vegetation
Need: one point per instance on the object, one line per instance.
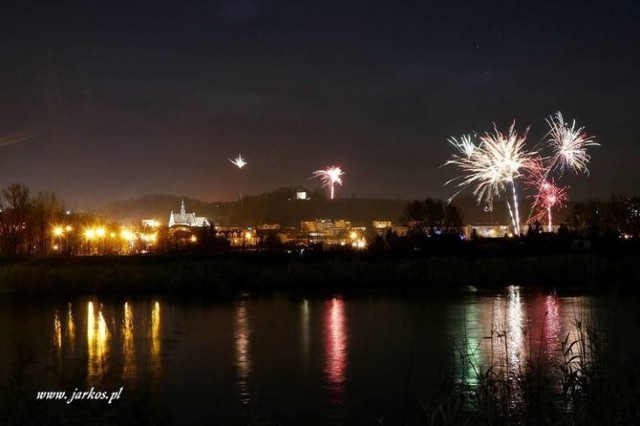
(333, 272)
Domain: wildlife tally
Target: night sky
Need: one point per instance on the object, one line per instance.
(130, 98)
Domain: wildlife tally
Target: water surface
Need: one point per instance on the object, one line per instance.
(291, 360)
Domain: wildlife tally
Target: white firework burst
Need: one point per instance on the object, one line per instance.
(569, 145)
(330, 177)
(239, 162)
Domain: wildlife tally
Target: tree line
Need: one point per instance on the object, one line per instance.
(432, 217)
(618, 216)
(25, 220)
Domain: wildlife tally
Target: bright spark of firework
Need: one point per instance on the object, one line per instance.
(465, 145)
(569, 145)
(547, 194)
(239, 162)
(330, 176)
(492, 166)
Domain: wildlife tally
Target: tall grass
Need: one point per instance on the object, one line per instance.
(594, 379)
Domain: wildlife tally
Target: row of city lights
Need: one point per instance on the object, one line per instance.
(98, 232)
(129, 235)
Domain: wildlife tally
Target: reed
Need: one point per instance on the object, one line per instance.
(593, 380)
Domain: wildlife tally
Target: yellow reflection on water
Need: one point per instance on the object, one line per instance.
(97, 344)
(128, 349)
(57, 333)
(242, 352)
(71, 328)
(335, 349)
(156, 338)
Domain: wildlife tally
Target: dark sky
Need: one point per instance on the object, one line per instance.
(128, 98)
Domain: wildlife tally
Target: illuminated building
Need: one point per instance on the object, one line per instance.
(333, 232)
(187, 219)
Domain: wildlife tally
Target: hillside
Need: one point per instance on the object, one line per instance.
(281, 206)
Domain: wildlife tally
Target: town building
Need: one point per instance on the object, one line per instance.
(187, 219)
(333, 232)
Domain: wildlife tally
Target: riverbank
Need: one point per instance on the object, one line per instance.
(181, 274)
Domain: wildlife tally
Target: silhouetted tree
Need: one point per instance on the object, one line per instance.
(47, 212)
(391, 239)
(432, 217)
(625, 213)
(15, 205)
(585, 217)
(414, 216)
(453, 220)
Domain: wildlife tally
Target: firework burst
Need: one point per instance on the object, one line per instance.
(492, 166)
(546, 193)
(330, 177)
(569, 145)
(239, 162)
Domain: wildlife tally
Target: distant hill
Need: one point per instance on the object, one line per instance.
(281, 206)
(157, 206)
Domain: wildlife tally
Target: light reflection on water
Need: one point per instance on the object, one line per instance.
(506, 332)
(98, 345)
(242, 353)
(71, 330)
(156, 340)
(336, 342)
(128, 345)
(305, 339)
(108, 339)
(127, 342)
(57, 334)
(552, 327)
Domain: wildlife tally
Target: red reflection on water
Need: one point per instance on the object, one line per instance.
(335, 347)
(531, 329)
(552, 326)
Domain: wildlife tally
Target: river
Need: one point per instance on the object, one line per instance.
(279, 358)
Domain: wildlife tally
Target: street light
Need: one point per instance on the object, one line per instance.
(89, 234)
(58, 232)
